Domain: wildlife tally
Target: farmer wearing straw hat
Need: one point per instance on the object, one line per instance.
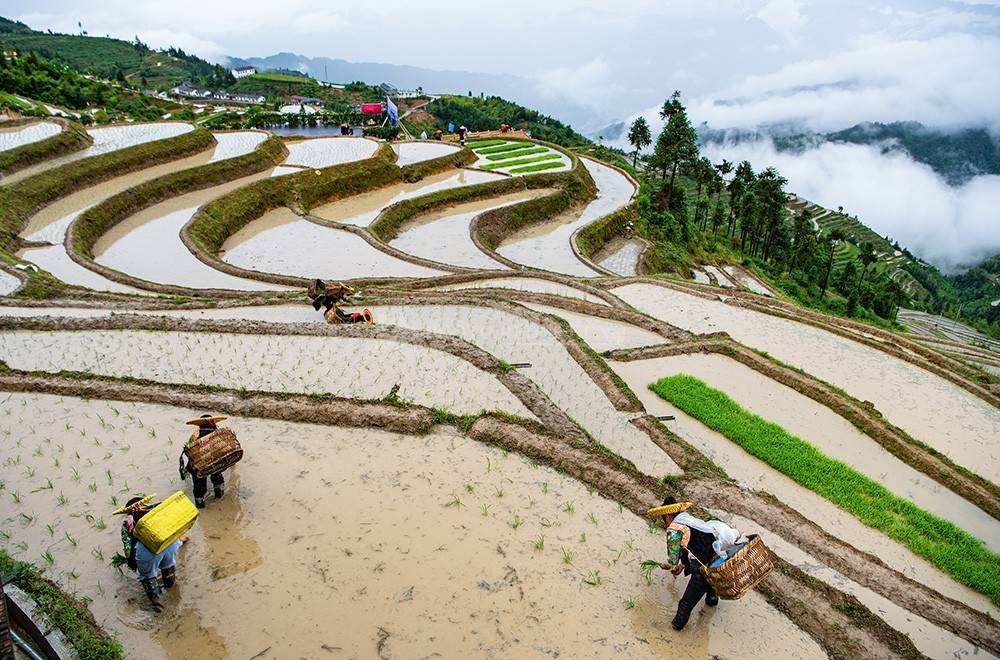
(686, 536)
(143, 560)
(206, 424)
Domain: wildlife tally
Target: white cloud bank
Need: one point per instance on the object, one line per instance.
(950, 227)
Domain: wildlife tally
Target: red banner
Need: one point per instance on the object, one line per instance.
(371, 108)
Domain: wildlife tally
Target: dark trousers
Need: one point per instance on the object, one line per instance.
(697, 589)
(201, 484)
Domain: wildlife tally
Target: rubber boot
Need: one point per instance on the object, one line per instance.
(152, 589)
(169, 576)
(220, 490)
(711, 600)
(199, 502)
(682, 616)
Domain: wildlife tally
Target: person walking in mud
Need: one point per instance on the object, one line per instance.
(144, 561)
(687, 536)
(326, 294)
(462, 130)
(206, 424)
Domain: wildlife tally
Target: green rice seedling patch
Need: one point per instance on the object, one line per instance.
(941, 542)
(521, 161)
(476, 144)
(517, 154)
(536, 168)
(511, 146)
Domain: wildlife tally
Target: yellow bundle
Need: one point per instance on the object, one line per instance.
(166, 523)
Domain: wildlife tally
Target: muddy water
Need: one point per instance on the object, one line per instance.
(347, 367)
(147, 245)
(622, 256)
(525, 284)
(283, 243)
(12, 138)
(416, 152)
(700, 276)
(746, 280)
(361, 210)
(282, 170)
(720, 277)
(8, 283)
(547, 245)
(324, 152)
(237, 143)
(49, 225)
(359, 556)
(758, 475)
(53, 259)
(516, 340)
(929, 408)
(107, 139)
(602, 334)
(444, 236)
(828, 432)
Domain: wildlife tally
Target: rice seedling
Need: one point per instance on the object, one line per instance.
(55, 462)
(594, 578)
(539, 543)
(516, 522)
(484, 510)
(567, 556)
(545, 487)
(114, 500)
(71, 540)
(48, 486)
(455, 502)
(941, 542)
(29, 472)
(498, 491)
(110, 478)
(629, 604)
(469, 488)
(22, 546)
(51, 528)
(14, 495)
(583, 537)
(76, 474)
(4, 535)
(73, 575)
(49, 559)
(27, 519)
(92, 486)
(568, 508)
(62, 500)
(592, 519)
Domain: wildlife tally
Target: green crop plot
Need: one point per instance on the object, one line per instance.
(939, 541)
(504, 147)
(507, 155)
(537, 168)
(521, 161)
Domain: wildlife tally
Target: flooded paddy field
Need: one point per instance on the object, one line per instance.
(537, 285)
(547, 245)
(337, 545)
(929, 408)
(299, 364)
(361, 210)
(284, 243)
(12, 138)
(621, 256)
(444, 236)
(408, 153)
(326, 152)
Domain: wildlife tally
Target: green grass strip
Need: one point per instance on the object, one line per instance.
(521, 161)
(527, 151)
(504, 147)
(939, 541)
(536, 168)
(475, 144)
(67, 614)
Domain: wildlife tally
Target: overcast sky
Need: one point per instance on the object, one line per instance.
(739, 63)
(861, 58)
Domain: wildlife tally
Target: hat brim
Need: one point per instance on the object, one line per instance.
(146, 499)
(198, 421)
(668, 509)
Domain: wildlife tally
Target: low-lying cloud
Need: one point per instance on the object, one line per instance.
(953, 228)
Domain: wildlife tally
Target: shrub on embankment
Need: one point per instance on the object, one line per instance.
(72, 137)
(19, 201)
(939, 541)
(592, 238)
(223, 217)
(69, 615)
(96, 221)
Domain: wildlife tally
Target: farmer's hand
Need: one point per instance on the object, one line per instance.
(666, 567)
(676, 570)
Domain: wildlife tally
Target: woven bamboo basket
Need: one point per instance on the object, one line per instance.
(166, 523)
(742, 572)
(214, 453)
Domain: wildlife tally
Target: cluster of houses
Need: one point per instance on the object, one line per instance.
(184, 89)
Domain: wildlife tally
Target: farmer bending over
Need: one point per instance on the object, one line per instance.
(141, 559)
(686, 536)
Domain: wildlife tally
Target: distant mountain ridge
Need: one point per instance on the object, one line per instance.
(403, 76)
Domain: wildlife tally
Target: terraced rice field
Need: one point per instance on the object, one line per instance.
(12, 138)
(468, 476)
